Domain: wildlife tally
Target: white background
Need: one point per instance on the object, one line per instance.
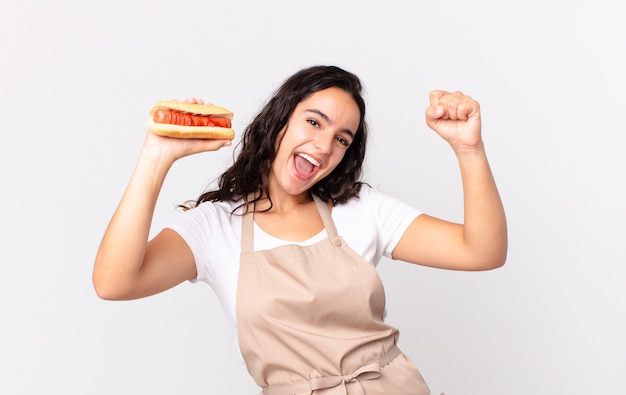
(78, 77)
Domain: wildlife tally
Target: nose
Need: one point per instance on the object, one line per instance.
(323, 142)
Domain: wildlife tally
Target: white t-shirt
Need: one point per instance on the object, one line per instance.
(371, 225)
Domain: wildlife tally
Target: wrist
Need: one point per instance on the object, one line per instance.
(470, 153)
(155, 157)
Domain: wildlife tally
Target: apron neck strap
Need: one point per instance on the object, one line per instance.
(247, 224)
(329, 224)
(247, 228)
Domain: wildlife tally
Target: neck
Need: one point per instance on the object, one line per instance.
(284, 202)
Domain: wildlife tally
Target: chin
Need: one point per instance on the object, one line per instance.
(294, 190)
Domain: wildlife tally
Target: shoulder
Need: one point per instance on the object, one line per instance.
(209, 218)
(373, 222)
(221, 208)
(369, 198)
(362, 208)
(377, 207)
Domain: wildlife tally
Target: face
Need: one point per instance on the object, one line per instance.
(317, 135)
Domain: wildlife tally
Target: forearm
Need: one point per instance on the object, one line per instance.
(484, 228)
(122, 249)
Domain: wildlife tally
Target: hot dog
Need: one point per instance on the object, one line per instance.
(173, 118)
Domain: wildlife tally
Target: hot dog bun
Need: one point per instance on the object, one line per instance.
(188, 130)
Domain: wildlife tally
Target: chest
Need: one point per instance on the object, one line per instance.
(296, 226)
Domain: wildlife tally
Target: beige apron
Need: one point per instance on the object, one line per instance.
(310, 320)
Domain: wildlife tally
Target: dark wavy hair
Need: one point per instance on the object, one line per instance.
(249, 174)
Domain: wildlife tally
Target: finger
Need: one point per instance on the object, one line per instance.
(451, 102)
(472, 108)
(434, 113)
(452, 107)
(463, 107)
(214, 145)
(462, 111)
(435, 96)
(194, 100)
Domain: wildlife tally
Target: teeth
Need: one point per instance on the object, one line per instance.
(310, 159)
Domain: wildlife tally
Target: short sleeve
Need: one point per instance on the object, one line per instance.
(392, 216)
(213, 234)
(192, 226)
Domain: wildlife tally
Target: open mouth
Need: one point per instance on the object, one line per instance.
(305, 165)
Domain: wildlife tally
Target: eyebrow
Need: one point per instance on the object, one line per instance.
(327, 119)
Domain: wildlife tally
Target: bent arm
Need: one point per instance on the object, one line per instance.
(126, 265)
(480, 243)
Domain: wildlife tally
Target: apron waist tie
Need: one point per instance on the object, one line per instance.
(367, 372)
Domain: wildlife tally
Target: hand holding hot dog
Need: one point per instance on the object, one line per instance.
(456, 118)
(191, 119)
(183, 128)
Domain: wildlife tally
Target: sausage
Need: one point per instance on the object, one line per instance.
(173, 117)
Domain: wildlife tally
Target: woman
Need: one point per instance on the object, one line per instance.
(290, 238)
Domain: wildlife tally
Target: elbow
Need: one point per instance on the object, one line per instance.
(105, 287)
(104, 295)
(494, 264)
(494, 260)
(99, 282)
(110, 282)
(109, 293)
(484, 265)
(495, 253)
(502, 260)
(103, 291)
(502, 253)
(487, 259)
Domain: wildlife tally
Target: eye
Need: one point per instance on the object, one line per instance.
(313, 122)
(343, 141)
